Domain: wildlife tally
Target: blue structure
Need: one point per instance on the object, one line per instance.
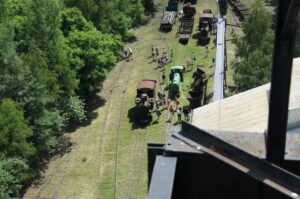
(220, 60)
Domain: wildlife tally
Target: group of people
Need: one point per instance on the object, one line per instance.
(164, 103)
(127, 53)
(173, 107)
(163, 59)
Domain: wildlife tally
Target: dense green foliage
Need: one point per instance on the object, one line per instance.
(254, 50)
(13, 173)
(54, 55)
(274, 3)
(109, 16)
(90, 52)
(14, 131)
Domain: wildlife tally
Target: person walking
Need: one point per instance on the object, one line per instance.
(206, 51)
(171, 111)
(193, 57)
(179, 115)
(130, 53)
(161, 97)
(158, 113)
(172, 55)
(152, 50)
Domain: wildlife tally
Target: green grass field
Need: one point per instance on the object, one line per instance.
(88, 169)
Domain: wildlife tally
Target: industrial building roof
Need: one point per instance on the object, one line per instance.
(242, 119)
(247, 111)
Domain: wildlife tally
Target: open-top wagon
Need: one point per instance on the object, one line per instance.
(145, 100)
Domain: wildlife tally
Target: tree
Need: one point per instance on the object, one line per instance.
(254, 50)
(14, 131)
(37, 75)
(149, 5)
(114, 17)
(13, 173)
(90, 53)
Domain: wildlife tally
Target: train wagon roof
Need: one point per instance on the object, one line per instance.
(146, 83)
(206, 15)
(177, 67)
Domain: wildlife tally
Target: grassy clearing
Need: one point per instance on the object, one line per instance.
(88, 169)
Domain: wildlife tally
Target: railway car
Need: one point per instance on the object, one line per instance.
(176, 78)
(145, 100)
(206, 20)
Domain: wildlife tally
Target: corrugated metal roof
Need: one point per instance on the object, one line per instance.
(294, 118)
(247, 111)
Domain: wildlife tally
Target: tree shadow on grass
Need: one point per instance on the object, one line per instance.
(64, 146)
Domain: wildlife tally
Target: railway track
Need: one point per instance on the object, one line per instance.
(137, 163)
(118, 142)
(112, 134)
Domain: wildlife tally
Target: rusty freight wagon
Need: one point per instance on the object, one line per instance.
(145, 100)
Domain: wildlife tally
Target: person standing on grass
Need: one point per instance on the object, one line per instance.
(168, 102)
(179, 115)
(164, 62)
(171, 111)
(193, 57)
(172, 55)
(187, 63)
(152, 50)
(177, 103)
(160, 95)
(157, 51)
(163, 76)
(158, 113)
(206, 51)
(130, 53)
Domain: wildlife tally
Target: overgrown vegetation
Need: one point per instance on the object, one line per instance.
(254, 50)
(54, 54)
